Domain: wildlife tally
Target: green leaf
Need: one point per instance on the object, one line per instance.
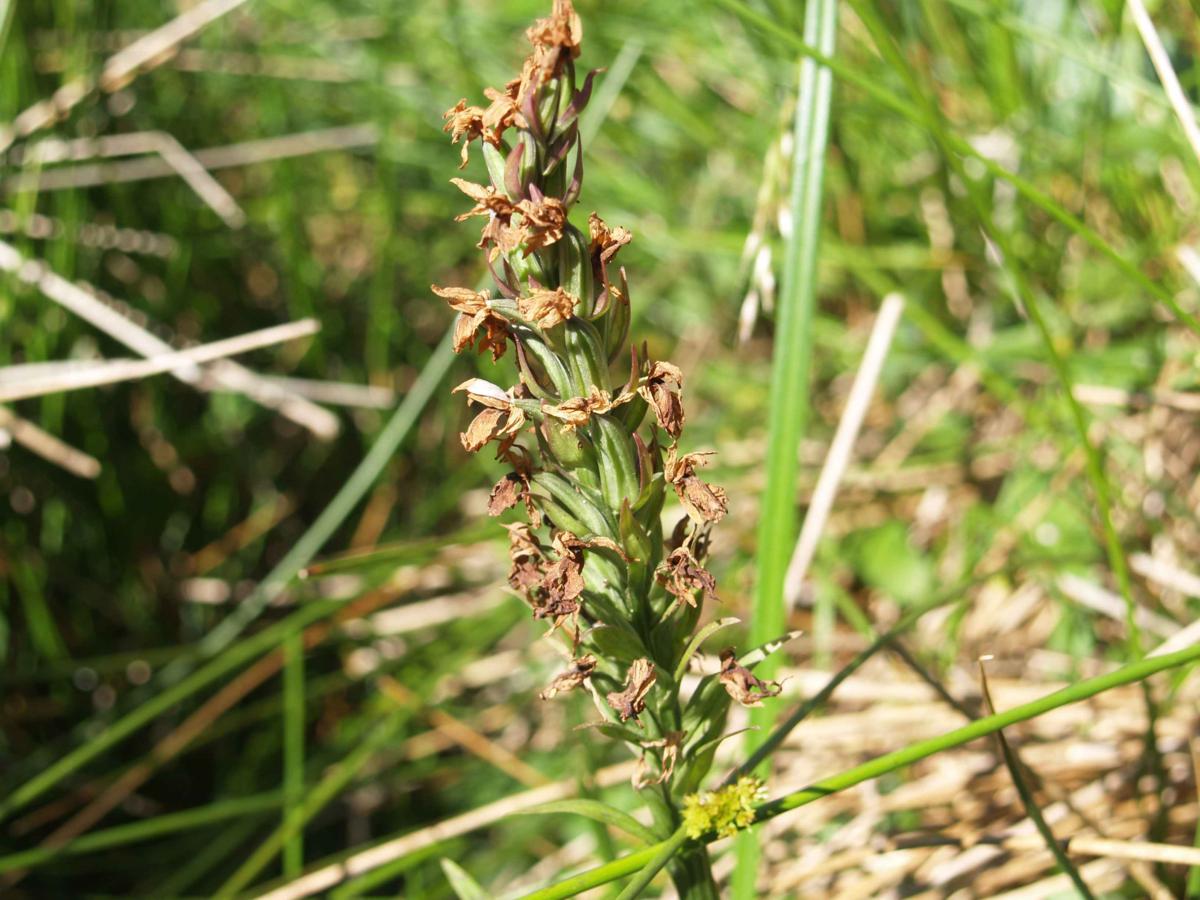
(701, 636)
(615, 643)
(600, 812)
(464, 886)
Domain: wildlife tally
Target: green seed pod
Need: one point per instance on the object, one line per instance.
(585, 356)
(493, 158)
(615, 461)
(569, 447)
(575, 268)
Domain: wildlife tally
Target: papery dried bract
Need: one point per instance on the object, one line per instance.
(499, 420)
(526, 557)
(541, 224)
(578, 411)
(669, 747)
(563, 581)
(474, 314)
(465, 123)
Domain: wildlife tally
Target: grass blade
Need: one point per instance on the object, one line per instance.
(600, 812)
(662, 856)
(294, 696)
(964, 148)
(464, 886)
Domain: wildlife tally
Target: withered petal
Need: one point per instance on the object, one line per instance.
(742, 685)
(630, 702)
(580, 671)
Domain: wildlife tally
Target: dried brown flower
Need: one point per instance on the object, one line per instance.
(555, 41)
(683, 576)
(525, 553)
(488, 200)
(563, 581)
(741, 683)
(663, 390)
(497, 234)
(499, 420)
(465, 123)
(580, 671)
(510, 490)
(630, 702)
(474, 314)
(670, 745)
(579, 410)
(605, 242)
(546, 308)
(503, 112)
(704, 502)
(541, 223)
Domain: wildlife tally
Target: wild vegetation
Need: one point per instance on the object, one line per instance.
(930, 275)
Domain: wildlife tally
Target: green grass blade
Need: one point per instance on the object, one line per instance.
(240, 653)
(464, 886)
(182, 685)
(597, 811)
(343, 503)
(294, 696)
(150, 829)
(788, 403)
(315, 800)
(664, 852)
(1025, 297)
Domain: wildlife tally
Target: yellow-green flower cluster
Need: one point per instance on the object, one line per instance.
(725, 811)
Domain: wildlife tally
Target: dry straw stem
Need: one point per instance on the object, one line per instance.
(142, 55)
(842, 448)
(359, 863)
(47, 446)
(117, 370)
(467, 737)
(1093, 596)
(224, 373)
(1166, 74)
(134, 241)
(245, 153)
(159, 143)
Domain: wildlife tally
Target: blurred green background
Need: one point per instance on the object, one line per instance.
(201, 494)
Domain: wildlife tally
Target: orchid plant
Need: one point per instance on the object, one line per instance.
(593, 455)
